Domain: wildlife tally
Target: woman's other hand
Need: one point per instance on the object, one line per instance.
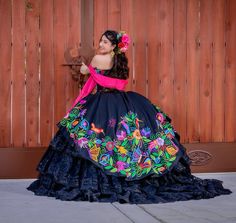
(84, 69)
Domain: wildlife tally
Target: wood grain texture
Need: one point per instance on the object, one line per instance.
(32, 72)
(166, 75)
(60, 41)
(193, 64)
(18, 74)
(140, 47)
(180, 65)
(218, 71)
(205, 75)
(47, 83)
(74, 41)
(230, 75)
(5, 73)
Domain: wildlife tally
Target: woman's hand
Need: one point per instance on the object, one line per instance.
(84, 69)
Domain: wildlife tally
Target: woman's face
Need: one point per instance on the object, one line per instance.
(105, 45)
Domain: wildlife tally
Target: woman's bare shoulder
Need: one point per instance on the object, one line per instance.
(101, 62)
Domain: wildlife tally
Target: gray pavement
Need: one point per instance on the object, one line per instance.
(19, 205)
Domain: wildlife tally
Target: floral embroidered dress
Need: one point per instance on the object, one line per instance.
(116, 146)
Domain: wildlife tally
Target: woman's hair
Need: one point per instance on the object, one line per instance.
(120, 67)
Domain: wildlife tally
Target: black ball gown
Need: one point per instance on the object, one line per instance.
(116, 146)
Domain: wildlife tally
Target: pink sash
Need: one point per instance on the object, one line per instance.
(95, 79)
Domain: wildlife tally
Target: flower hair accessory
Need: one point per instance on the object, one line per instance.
(123, 42)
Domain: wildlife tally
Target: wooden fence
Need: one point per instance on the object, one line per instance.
(182, 57)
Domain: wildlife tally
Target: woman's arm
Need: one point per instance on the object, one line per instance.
(94, 63)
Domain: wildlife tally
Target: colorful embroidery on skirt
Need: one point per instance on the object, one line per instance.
(136, 151)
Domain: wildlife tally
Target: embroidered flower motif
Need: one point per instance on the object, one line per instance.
(110, 146)
(122, 149)
(112, 123)
(153, 144)
(147, 163)
(90, 132)
(84, 124)
(82, 142)
(146, 132)
(171, 150)
(104, 159)
(160, 141)
(137, 134)
(120, 165)
(121, 135)
(160, 117)
(94, 152)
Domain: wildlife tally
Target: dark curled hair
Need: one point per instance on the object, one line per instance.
(120, 67)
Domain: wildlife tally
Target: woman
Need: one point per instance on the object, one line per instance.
(117, 146)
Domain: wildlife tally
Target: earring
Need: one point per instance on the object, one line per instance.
(112, 53)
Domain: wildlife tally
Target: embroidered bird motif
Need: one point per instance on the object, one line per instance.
(137, 123)
(125, 126)
(95, 129)
(137, 155)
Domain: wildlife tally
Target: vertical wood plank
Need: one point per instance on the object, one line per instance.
(230, 75)
(114, 14)
(60, 45)
(205, 70)
(180, 64)
(74, 40)
(166, 64)
(193, 56)
(154, 57)
(18, 73)
(127, 25)
(140, 44)
(47, 83)
(5, 73)
(218, 35)
(100, 19)
(32, 72)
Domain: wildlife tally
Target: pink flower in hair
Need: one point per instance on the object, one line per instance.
(124, 42)
(125, 39)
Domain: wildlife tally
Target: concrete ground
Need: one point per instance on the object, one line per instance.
(19, 205)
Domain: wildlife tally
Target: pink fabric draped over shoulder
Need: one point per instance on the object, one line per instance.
(95, 79)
